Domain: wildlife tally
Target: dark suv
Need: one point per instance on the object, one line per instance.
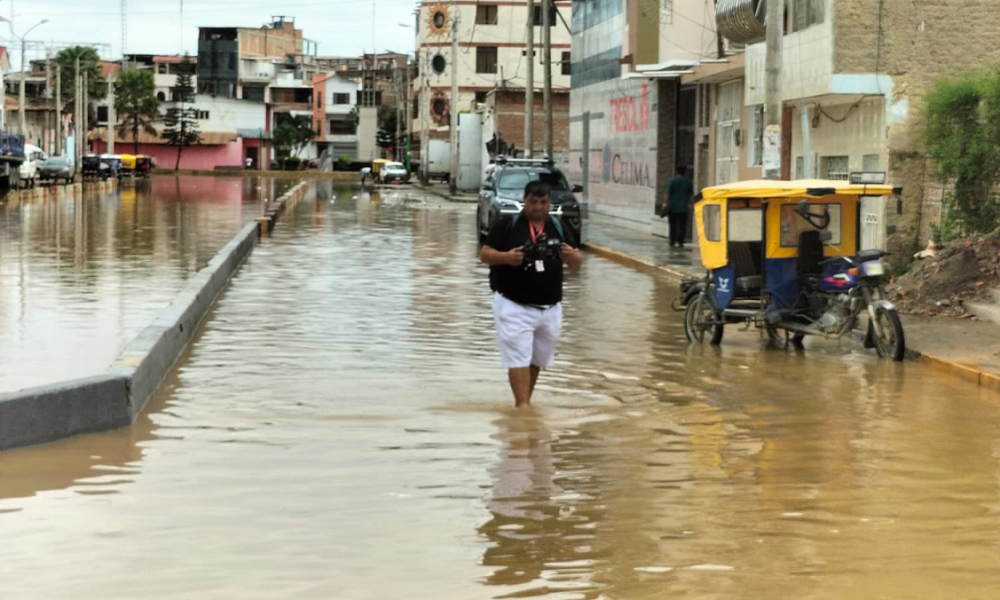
(503, 191)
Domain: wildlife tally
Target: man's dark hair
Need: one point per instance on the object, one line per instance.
(682, 170)
(538, 189)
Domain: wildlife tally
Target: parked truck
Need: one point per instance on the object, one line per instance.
(438, 160)
(11, 158)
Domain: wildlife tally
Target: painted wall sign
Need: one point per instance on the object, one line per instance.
(629, 115)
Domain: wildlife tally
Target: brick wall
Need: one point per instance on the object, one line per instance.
(510, 120)
(921, 41)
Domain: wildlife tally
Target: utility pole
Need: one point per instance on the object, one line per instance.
(774, 24)
(84, 117)
(425, 102)
(453, 111)
(76, 115)
(20, 97)
(59, 111)
(406, 114)
(529, 86)
(112, 117)
(396, 82)
(547, 74)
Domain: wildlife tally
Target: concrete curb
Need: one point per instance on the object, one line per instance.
(445, 195)
(636, 262)
(114, 398)
(57, 192)
(344, 176)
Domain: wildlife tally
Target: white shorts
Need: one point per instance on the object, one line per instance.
(526, 336)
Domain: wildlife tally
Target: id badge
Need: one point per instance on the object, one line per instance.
(539, 266)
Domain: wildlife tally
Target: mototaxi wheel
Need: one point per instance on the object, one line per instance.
(890, 343)
(701, 318)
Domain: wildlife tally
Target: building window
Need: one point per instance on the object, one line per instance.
(870, 163)
(161, 68)
(755, 129)
(800, 172)
(537, 17)
(565, 63)
(202, 114)
(254, 93)
(486, 59)
(341, 98)
(161, 96)
(102, 114)
(319, 100)
(481, 97)
(342, 128)
(486, 14)
(805, 13)
(438, 64)
(836, 167)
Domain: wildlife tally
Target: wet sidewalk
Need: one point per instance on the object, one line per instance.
(962, 348)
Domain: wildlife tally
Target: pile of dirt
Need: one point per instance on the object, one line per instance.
(965, 270)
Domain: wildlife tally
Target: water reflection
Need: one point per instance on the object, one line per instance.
(543, 528)
(81, 276)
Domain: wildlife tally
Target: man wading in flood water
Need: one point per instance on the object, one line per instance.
(526, 253)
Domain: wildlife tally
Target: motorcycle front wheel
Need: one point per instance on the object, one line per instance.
(700, 319)
(890, 343)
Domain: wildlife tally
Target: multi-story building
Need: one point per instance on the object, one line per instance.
(632, 120)
(853, 74)
(491, 57)
(335, 97)
(273, 65)
(165, 70)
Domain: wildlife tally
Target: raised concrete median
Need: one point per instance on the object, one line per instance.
(114, 398)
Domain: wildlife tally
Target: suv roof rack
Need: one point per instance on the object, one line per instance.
(543, 161)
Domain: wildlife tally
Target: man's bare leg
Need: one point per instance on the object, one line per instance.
(534, 379)
(521, 385)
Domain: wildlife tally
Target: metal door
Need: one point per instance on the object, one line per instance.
(727, 152)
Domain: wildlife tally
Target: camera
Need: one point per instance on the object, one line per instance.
(543, 249)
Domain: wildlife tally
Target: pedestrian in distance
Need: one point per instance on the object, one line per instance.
(248, 163)
(364, 174)
(526, 253)
(677, 197)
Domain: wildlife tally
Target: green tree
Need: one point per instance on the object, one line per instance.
(97, 87)
(136, 105)
(387, 118)
(291, 135)
(181, 122)
(961, 133)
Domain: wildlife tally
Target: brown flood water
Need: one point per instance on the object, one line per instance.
(341, 430)
(80, 277)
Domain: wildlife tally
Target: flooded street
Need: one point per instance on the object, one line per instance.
(80, 277)
(341, 428)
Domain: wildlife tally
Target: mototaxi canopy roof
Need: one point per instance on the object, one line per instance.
(712, 212)
(800, 188)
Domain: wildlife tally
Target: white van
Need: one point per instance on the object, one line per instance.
(33, 158)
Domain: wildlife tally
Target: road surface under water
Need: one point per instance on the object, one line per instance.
(80, 277)
(341, 429)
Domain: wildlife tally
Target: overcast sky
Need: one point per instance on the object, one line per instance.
(341, 27)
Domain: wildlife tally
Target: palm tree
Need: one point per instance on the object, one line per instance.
(135, 101)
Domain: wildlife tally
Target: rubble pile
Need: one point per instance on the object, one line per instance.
(966, 270)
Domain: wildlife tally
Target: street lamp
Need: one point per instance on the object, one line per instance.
(20, 102)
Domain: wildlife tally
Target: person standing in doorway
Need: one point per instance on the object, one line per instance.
(676, 201)
(248, 162)
(526, 253)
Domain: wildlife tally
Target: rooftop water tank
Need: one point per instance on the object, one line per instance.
(741, 21)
